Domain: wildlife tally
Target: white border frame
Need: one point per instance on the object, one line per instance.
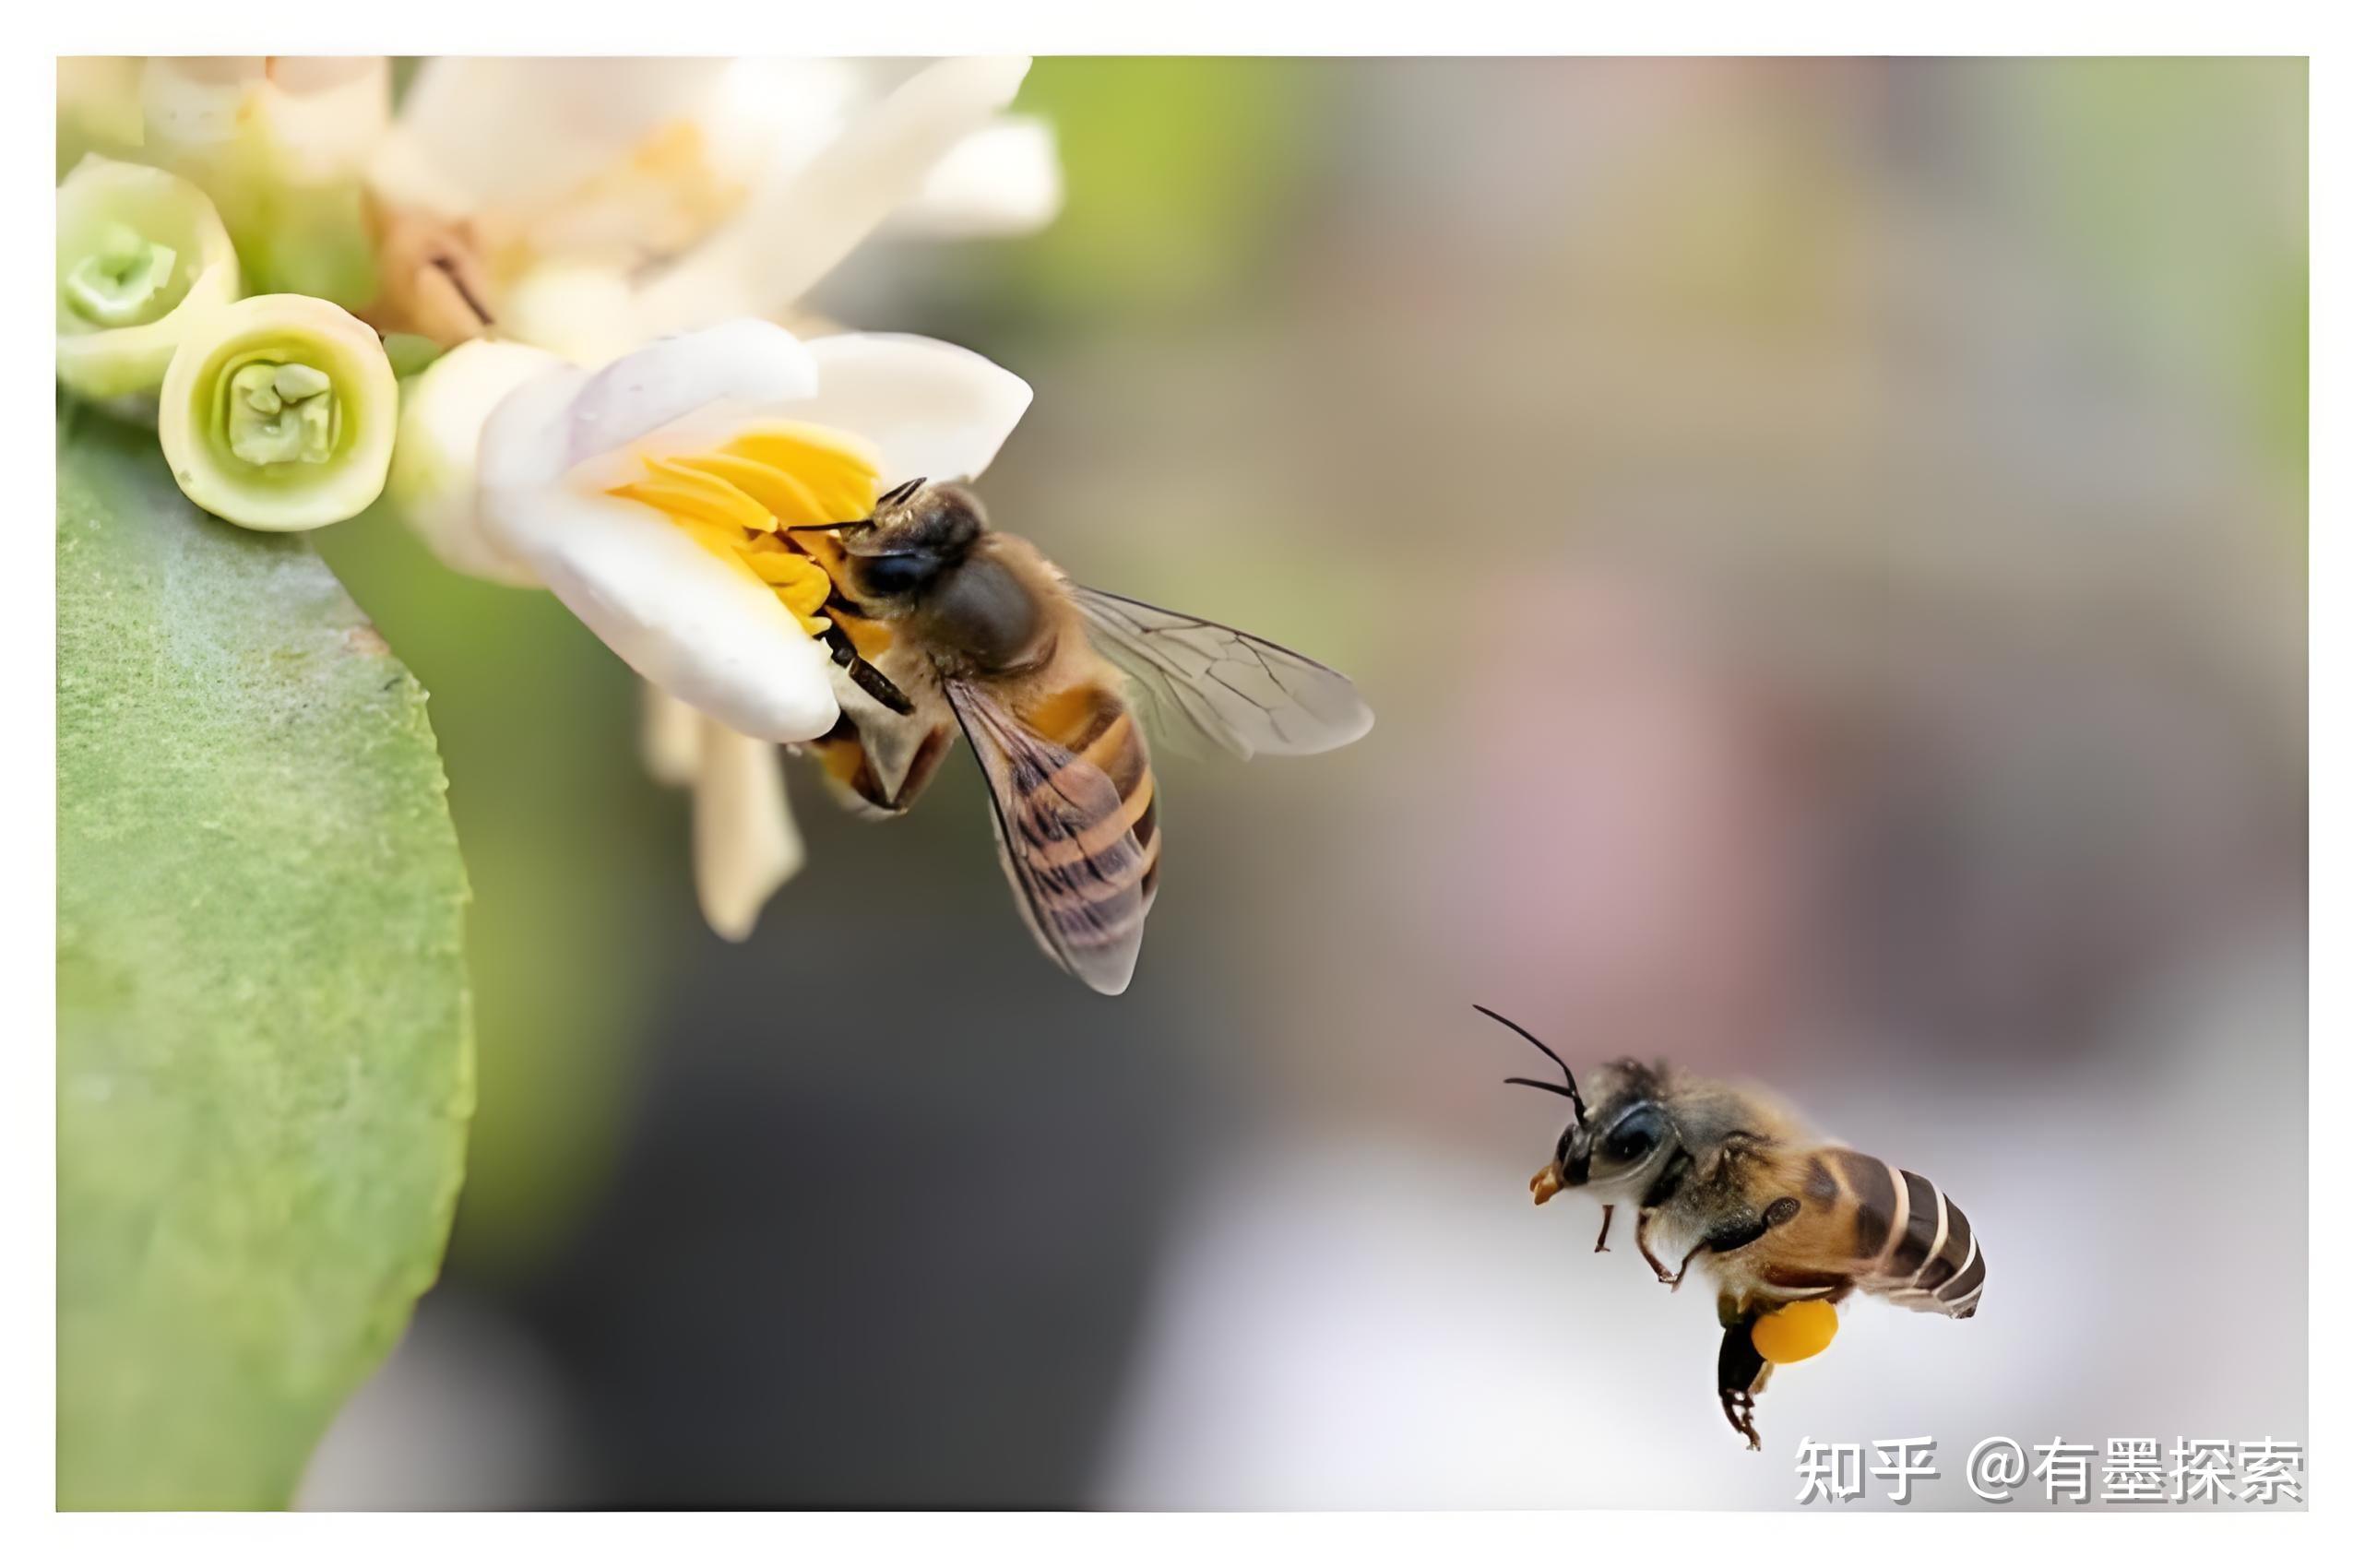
(1471, 27)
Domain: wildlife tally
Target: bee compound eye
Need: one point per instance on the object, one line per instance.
(1781, 1211)
(898, 572)
(1634, 1141)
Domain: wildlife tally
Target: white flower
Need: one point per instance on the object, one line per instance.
(632, 198)
(599, 155)
(650, 495)
(741, 182)
(658, 497)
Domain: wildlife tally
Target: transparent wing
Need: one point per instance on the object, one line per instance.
(1066, 846)
(1253, 698)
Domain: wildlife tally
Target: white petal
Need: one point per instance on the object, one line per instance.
(524, 442)
(434, 481)
(709, 634)
(743, 843)
(805, 223)
(1002, 180)
(933, 411)
(480, 134)
(580, 309)
(672, 737)
(736, 363)
(767, 116)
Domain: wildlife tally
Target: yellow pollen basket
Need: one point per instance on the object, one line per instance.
(1795, 1332)
(745, 499)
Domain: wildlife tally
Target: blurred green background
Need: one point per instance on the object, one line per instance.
(1826, 541)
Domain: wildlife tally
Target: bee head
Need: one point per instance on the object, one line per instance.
(1572, 1159)
(912, 536)
(1621, 1141)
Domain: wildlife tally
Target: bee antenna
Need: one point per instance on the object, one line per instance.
(1570, 1089)
(901, 493)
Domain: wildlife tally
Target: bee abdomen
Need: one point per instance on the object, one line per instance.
(1093, 724)
(1914, 1246)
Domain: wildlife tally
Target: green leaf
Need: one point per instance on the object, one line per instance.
(264, 1057)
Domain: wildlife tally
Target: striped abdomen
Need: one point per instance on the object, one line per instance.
(1074, 817)
(1093, 724)
(1912, 1243)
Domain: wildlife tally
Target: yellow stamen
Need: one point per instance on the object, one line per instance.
(839, 472)
(773, 475)
(780, 493)
(681, 493)
(803, 586)
(719, 539)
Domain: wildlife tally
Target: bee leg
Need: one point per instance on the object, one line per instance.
(1685, 1266)
(1740, 1371)
(1642, 1245)
(864, 674)
(1664, 1187)
(1733, 1235)
(1601, 1243)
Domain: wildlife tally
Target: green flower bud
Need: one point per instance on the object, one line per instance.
(279, 413)
(141, 258)
(127, 281)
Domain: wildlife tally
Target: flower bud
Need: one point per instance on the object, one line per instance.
(141, 258)
(279, 413)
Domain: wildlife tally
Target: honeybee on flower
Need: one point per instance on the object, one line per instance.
(770, 530)
(718, 508)
(640, 198)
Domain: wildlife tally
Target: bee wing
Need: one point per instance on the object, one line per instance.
(1066, 846)
(1253, 698)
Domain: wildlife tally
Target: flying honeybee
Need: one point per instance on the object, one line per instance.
(940, 623)
(1784, 1222)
